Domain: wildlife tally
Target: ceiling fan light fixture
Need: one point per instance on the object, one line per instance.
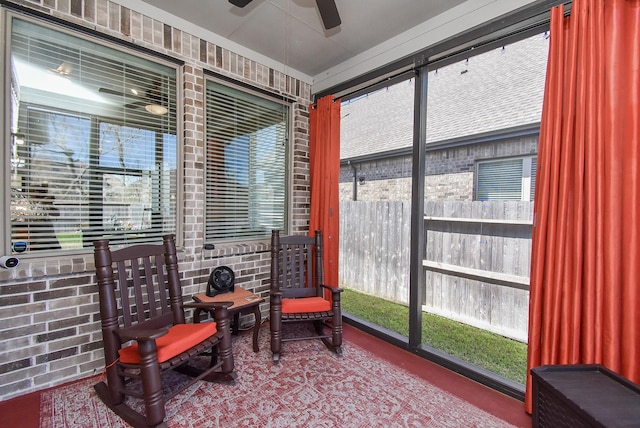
(156, 109)
(64, 69)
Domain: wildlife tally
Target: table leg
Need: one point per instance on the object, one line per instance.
(256, 327)
(236, 323)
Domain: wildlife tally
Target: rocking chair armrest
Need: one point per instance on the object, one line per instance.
(334, 290)
(139, 334)
(219, 310)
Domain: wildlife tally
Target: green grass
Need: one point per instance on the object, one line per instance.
(491, 351)
(70, 240)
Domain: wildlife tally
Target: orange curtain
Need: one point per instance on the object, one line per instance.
(324, 169)
(585, 267)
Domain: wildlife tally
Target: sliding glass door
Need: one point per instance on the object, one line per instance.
(482, 133)
(375, 206)
(478, 132)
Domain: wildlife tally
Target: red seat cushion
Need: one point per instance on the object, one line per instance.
(179, 338)
(305, 304)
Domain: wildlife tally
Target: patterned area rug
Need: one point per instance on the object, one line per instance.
(311, 387)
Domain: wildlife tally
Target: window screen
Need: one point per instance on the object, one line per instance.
(246, 140)
(93, 142)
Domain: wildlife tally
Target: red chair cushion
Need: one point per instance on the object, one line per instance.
(179, 338)
(305, 304)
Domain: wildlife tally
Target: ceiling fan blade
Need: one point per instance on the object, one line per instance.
(135, 104)
(329, 13)
(119, 93)
(240, 3)
(111, 92)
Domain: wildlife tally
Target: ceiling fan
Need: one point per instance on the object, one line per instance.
(151, 100)
(327, 8)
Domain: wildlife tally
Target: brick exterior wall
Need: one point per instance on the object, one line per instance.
(49, 322)
(449, 172)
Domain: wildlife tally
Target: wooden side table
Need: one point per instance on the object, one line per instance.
(243, 302)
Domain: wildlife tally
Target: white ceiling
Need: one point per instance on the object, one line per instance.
(290, 32)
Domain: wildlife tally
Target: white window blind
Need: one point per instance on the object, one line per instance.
(500, 180)
(506, 179)
(93, 142)
(246, 141)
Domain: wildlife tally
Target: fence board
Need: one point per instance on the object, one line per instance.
(476, 236)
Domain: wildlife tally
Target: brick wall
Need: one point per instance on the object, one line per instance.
(457, 186)
(449, 172)
(49, 322)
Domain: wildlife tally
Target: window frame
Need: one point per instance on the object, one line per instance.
(289, 105)
(83, 34)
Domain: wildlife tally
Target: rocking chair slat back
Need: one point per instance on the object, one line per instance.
(298, 266)
(141, 287)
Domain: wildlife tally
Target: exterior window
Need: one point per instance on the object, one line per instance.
(506, 179)
(246, 141)
(93, 143)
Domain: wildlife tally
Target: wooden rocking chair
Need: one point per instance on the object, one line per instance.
(297, 292)
(144, 330)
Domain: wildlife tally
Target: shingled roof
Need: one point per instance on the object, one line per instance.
(496, 90)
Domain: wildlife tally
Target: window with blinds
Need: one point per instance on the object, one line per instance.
(246, 151)
(506, 179)
(93, 147)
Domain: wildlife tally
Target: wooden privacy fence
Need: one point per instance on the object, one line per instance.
(477, 258)
(375, 247)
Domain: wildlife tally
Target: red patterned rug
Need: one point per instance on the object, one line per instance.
(311, 387)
